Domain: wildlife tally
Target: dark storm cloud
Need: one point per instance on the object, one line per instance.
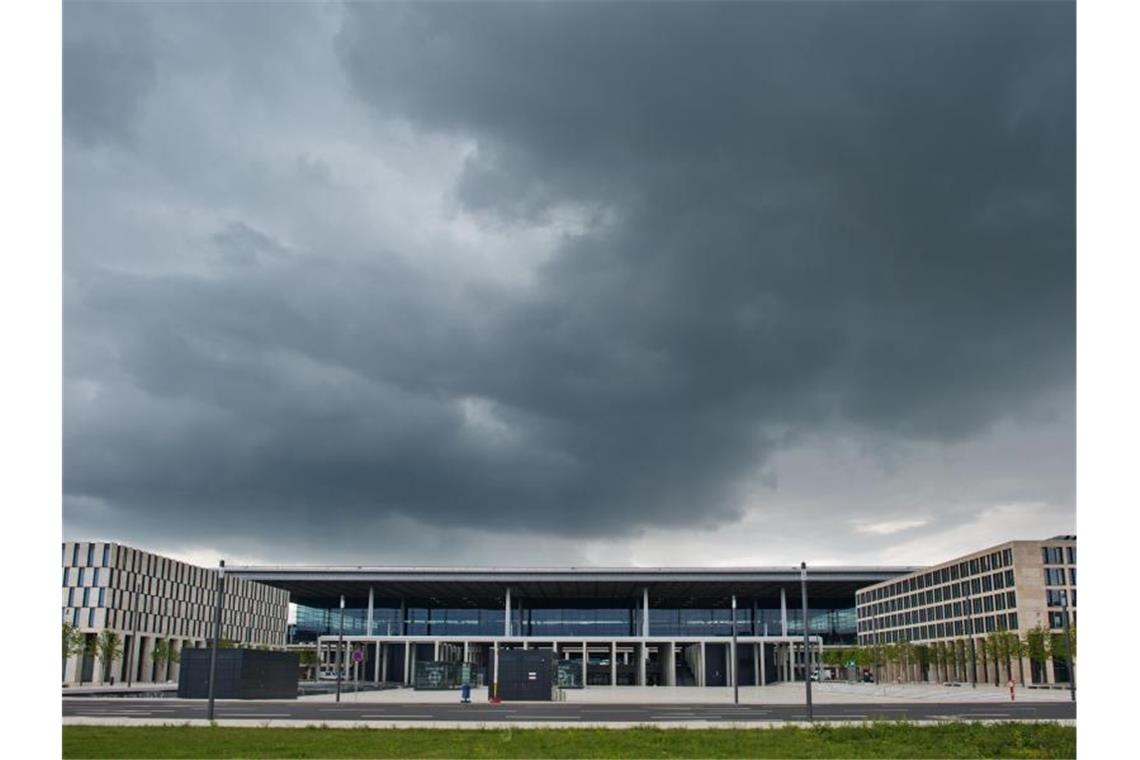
(798, 218)
(109, 68)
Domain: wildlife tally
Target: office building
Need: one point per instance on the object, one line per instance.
(145, 598)
(1017, 587)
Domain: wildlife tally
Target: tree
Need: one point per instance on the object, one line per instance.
(1037, 649)
(109, 647)
(72, 643)
(165, 652)
(309, 660)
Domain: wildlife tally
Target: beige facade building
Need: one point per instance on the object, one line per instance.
(145, 597)
(1016, 587)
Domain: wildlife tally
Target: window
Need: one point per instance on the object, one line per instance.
(973, 567)
(1052, 555)
(987, 583)
(71, 597)
(102, 597)
(106, 555)
(91, 618)
(1010, 599)
(65, 576)
(90, 554)
(975, 586)
(86, 596)
(989, 603)
(1011, 621)
(75, 617)
(81, 574)
(985, 564)
(1072, 576)
(1071, 551)
(75, 557)
(999, 601)
(954, 573)
(96, 581)
(1056, 619)
(1054, 577)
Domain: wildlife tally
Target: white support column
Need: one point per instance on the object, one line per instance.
(495, 671)
(784, 613)
(407, 659)
(506, 617)
(642, 655)
(384, 663)
(645, 613)
(755, 664)
(376, 665)
(671, 664)
(435, 652)
(763, 665)
(467, 651)
(369, 611)
(701, 674)
(585, 662)
(613, 663)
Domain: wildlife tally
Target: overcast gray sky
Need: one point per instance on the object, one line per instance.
(569, 283)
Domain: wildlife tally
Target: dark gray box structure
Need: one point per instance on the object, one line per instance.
(239, 674)
(526, 674)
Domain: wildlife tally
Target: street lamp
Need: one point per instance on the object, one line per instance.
(735, 659)
(807, 648)
(970, 620)
(1069, 647)
(134, 632)
(339, 648)
(217, 635)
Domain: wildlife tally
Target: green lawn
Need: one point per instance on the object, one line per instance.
(894, 740)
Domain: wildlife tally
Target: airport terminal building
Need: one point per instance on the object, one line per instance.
(606, 626)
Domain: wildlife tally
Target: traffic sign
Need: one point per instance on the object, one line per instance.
(358, 655)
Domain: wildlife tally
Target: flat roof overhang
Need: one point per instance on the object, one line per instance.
(486, 586)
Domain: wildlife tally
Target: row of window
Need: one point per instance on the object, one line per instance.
(957, 628)
(1056, 597)
(1055, 576)
(1057, 555)
(157, 624)
(964, 569)
(948, 610)
(957, 590)
(156, 567)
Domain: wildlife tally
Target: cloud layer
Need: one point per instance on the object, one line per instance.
(390, 279)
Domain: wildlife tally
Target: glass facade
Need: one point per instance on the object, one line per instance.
(572, 619)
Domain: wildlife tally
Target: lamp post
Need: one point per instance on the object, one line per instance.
(1069, 647)
(735, 659)
(807, 648)
(134, 633)
(217, 634)
(970, 620)
(339, 649)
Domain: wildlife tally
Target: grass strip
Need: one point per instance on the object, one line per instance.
(880, 740)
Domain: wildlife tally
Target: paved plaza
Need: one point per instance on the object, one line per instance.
(775, 694)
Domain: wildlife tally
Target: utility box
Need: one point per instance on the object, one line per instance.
(526, 675)
(239, 674)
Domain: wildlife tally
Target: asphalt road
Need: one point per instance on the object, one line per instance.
(318, 712)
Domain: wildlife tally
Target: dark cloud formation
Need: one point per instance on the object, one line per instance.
(771, 224)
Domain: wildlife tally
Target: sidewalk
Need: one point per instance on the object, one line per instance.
(783, 693)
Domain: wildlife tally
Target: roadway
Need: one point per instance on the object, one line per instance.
(537, 712)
